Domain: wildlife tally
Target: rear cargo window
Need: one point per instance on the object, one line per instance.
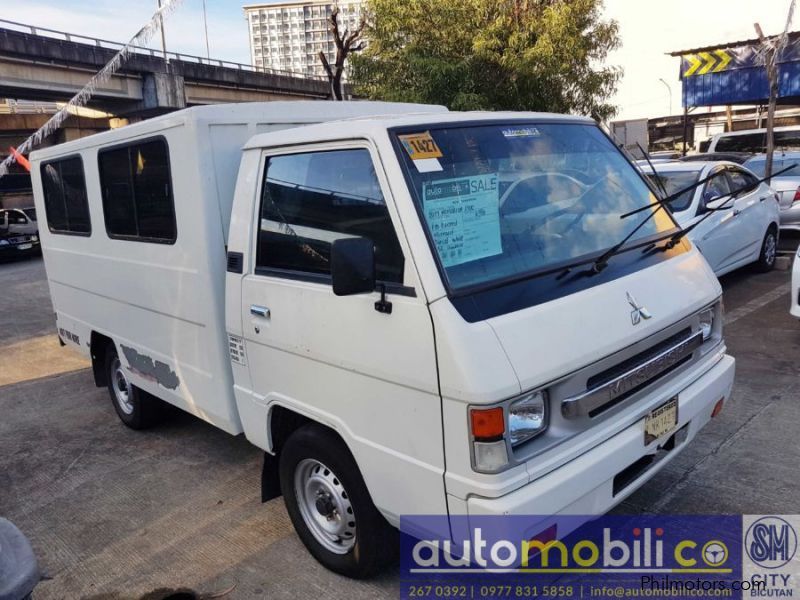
(137, 192)
(65, 204)
(309, 200)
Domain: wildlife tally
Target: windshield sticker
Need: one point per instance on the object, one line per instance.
(515, 132)
(463, 215)
(428, 165)
(420, 145)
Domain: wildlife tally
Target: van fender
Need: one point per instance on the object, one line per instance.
(284, 417)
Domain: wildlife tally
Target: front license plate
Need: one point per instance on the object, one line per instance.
(661, 420)
(24, 246)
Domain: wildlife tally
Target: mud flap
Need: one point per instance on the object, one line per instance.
(270, 481)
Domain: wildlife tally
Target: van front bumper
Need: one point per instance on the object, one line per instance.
(596, 481)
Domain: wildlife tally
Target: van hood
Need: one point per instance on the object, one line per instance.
(550, 340)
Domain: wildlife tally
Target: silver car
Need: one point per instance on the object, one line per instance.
(787, 185)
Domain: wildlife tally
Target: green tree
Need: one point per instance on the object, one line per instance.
(544, 55)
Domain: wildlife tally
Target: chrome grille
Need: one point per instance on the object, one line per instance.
(621, 381)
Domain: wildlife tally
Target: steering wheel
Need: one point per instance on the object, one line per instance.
(571, 209)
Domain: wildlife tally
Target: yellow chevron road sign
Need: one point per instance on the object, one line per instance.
(705, 62)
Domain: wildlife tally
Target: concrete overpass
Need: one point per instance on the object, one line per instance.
(44, 64)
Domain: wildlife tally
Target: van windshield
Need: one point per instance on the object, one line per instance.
(508, 199)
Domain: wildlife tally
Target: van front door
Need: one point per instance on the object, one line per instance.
(369, 375)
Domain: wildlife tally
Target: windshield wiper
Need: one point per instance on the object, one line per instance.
(658, 182)
(675, 238)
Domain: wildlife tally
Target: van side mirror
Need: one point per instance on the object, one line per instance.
(353, 266)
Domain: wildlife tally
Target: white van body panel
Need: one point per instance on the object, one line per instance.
(166, 302)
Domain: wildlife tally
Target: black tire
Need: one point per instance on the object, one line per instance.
(142, 410)
(769, 249)
(374, 543)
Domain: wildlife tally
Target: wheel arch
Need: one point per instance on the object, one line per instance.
(282, 422)
(98, 346)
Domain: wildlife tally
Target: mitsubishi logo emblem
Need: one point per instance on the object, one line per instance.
(639, 312)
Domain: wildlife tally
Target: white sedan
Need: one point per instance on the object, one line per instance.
(744, 231)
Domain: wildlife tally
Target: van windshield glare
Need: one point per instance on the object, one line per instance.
(506, 199)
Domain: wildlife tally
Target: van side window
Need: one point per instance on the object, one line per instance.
(787, 140)
(749, 142)
(309, 200)
(137, 192)
(65, 203)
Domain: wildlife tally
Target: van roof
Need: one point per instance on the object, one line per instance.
(282, 111)
(751, 131)
(374, 123)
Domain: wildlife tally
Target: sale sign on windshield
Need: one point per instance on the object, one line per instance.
(463, 217)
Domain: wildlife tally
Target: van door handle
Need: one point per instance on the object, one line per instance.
(259, 311)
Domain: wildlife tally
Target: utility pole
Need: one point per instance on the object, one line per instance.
(772, 48)
(771, 64)
(669, 89)
(163, 37)
(205, 24)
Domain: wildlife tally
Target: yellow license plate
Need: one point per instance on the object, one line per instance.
(661, 420)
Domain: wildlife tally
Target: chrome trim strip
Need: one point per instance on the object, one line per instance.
(590, 400)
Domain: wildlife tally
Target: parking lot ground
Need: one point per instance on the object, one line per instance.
(114, 513)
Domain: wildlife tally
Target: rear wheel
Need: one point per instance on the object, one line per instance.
(769, 250)
(330, 507)
(136, 408)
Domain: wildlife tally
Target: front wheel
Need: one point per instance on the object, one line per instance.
(769, 250)
(330, 507)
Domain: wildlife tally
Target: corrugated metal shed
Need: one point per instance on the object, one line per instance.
(733, 74)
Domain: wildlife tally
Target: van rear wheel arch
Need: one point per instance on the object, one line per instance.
(98, 349)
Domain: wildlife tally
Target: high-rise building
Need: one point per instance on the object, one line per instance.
(289, 36)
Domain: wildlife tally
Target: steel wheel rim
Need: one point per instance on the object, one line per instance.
(325, 506)
(121, 387)
(769, 249)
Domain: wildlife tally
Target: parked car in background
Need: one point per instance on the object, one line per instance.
(794, 299)
(744, 232)
(787, 184)
(19, 232)
(755, 140)
(737, 157)
(665, 154)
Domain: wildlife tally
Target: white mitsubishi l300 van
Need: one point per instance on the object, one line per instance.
(431, 313)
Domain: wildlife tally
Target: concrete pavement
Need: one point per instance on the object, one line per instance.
(114, 513)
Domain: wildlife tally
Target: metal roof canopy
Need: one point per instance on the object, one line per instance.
(732, 74)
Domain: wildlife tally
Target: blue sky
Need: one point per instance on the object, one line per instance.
(649, 29)
(118, 20)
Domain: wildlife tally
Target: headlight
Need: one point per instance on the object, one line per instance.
(34, 238)
(527, 417)
(3, 242)
(707, 322)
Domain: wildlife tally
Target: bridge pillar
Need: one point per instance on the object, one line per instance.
(162, 92)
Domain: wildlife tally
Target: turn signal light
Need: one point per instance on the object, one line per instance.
(717, 407)
(487, 424)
